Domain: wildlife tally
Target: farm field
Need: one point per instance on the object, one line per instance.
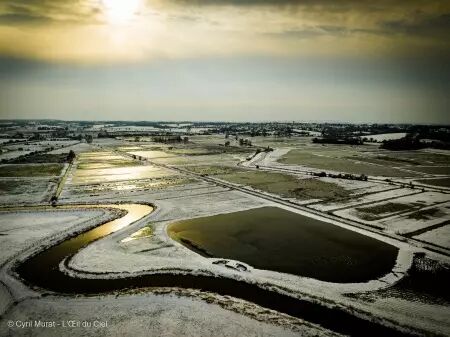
(224, 168)
(330, 202)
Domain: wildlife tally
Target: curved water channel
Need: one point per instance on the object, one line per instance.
(43, 270)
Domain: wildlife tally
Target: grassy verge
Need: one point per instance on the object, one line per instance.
(281, 184)
(30, 170)
(442, 182)
(376, 212)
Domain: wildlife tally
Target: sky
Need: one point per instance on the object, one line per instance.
(226, 60)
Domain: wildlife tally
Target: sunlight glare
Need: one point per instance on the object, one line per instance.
(121, 11)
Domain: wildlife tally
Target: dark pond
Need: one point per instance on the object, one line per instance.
(275, 239)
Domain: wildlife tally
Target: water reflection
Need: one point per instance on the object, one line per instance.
(272, 238)
(134, 213)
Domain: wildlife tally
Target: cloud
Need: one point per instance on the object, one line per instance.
(45, 11)
(79, 29)
(17, 18)
(431, 25)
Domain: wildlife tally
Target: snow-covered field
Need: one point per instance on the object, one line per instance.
(77, 148)
(439, 236)
(6, 140)
(148, 314)
(13, 154)
(382, 195)
(386, 136)
(395, 221)
(160, 253)
(177, 312)
(20, 191)
(407, 223)
(19, 229)
(139, 314)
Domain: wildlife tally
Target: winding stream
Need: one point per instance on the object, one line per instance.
(42, 270)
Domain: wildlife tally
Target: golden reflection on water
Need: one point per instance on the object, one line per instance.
(91, 176)
(134, 213)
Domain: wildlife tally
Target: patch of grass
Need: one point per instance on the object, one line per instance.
(375, 212)
(432, 169)
(143, 232)
(212, 170)
(425, 158)
(385, 160)
(339, 164)
(39, 158)
(9, 186)
(443, 182)
(426, 281)
(16, 187)
(399, 160)
(286, 185)
(426, 214)
(30, 170)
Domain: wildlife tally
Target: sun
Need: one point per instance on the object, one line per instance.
(121, 11)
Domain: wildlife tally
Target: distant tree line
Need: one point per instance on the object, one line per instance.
(413, 142)
(349, 141)
(170, 139)
(347, 176)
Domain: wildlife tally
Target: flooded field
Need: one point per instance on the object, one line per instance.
(103, 167)
(275, 239)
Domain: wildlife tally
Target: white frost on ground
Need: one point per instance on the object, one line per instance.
(110, 254)
(383, 195)
(5, 300)
(267, 158)
(439, 236)
(407, 223)
(161, 253)
(158, 314)
(145, 314)
(26, 147)
(386, 136)
(424, 199)
(13, 154)
(27, 190)
(432, 317)
(21, 229)
(399, 222)
(77, 148)
(358, 187)
(152, 154)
